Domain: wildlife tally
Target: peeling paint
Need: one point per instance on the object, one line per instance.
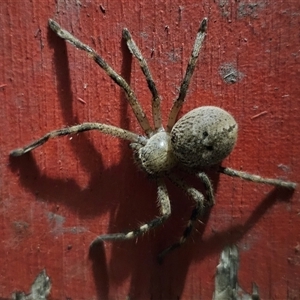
(224, 7)
(20, 227)
(229, 73)
(174, 54)
(284, 168)
(244, 9)
(40, 289)
(226, 279)
(251, 9)
(57, 224)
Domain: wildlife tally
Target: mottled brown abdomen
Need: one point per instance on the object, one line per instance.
(204, 136)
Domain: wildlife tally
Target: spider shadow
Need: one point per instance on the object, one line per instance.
(127, 258)
(67, 191)
(141, 256)
(176, 265)
(103, 185)
(234, 234)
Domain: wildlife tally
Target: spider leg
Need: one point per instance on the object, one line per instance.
(188, 74)
(195, 215)
(136, 107)
(257, 178)
(135, 51)
(165, 211)
(106, 129)
(208, 187)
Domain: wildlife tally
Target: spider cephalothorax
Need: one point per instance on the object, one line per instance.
(201, 138)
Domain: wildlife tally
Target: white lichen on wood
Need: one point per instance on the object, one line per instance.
(40, 289)
(226, 280)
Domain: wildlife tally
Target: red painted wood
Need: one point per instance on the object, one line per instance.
(57, 199)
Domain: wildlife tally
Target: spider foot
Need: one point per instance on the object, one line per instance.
(108, 237)
(17, 152)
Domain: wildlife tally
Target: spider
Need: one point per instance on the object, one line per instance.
(202, 138)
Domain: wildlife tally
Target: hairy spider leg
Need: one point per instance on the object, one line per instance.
(156, 99)
(164, 210)
(257, 178)
(208, 187)
(199, 208)
(188, 74)
(106, 129)
(197, 211)
(118, 79)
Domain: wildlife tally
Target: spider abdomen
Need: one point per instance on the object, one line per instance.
(204, 136)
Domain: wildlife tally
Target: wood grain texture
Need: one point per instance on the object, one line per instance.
(54, 201)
